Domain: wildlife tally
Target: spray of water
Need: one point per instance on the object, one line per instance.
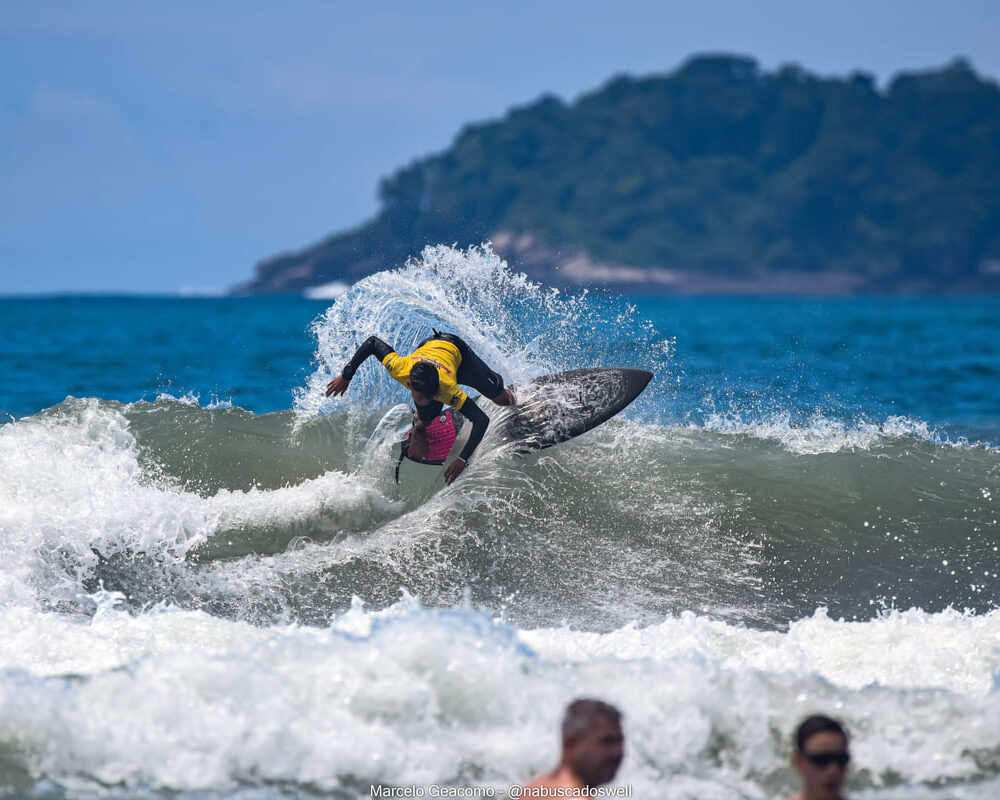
(516, 326)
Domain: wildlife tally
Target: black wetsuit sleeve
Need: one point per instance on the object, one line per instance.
(480, 422)
(372, 346)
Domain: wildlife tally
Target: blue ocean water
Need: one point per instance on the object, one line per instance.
(252, 351)
(212, 585)
(931, 358)
(935, 359)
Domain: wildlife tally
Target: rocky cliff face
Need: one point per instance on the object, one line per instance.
(572, 267)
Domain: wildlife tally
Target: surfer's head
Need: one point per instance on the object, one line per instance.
(592, 742)
(424, 380)
(821, 757)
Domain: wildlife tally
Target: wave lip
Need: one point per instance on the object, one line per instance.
(822, 434)
(79, 492)
(75, 488)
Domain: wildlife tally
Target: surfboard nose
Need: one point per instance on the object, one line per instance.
(638, 379)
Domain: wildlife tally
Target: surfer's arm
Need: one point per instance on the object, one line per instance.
(480, 422)
(372, 346)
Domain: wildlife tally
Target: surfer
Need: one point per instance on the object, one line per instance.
(592, 750)
(433, 373)
(821, 758)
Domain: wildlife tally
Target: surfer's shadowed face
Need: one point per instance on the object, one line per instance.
(420, 399)
(423, 382)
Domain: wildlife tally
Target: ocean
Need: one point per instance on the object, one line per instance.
(213, 587)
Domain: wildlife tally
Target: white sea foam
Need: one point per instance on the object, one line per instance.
(949, 650)
(464, 292)
(822, 434)
(73, 491)
(183, 700)
(194, 399)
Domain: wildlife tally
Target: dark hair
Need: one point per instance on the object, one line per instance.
(581, 713)
(424, 378)
(817, 723)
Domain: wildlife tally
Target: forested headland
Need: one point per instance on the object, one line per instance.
(716, 177)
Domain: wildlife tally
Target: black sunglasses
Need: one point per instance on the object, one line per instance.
(825, 759)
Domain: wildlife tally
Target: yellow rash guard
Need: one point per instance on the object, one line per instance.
(445, 356)
(448, 356)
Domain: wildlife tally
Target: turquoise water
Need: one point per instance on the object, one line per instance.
(213, 586)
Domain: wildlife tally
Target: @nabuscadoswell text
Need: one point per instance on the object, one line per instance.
(514, 792)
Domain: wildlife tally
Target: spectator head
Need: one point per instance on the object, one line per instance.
(821, 757)
(592, 741)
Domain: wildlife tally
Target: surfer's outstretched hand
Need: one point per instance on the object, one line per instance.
(337, 386)
(453, 470)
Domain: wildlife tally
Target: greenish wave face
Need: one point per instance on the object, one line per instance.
(631, 521)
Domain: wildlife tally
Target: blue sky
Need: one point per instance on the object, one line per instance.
(168, 147)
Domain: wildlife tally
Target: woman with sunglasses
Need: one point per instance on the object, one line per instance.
(821, 758)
